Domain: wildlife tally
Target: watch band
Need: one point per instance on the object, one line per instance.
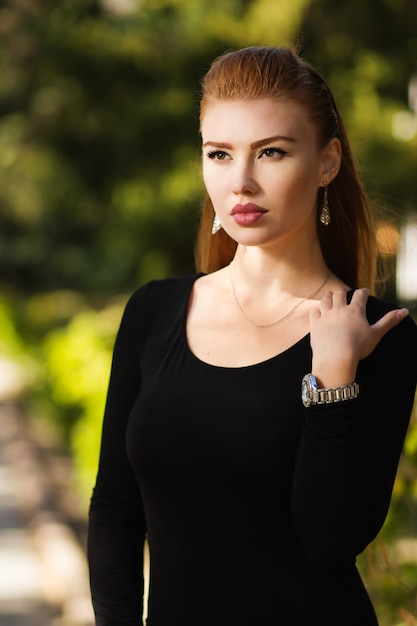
(335, 394)
(312, 395)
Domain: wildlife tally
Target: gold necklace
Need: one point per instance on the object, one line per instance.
(311, 295)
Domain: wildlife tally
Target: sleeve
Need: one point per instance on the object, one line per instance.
(349, 453)
(116, 527)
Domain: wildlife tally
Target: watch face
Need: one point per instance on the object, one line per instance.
(305, 392)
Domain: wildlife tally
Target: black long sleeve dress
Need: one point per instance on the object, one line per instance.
(253, 506)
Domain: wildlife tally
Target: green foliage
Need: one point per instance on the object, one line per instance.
(77, 360)
(18, 368)
(99, 135)
(99, 164)
(10, 341)
(367, 52)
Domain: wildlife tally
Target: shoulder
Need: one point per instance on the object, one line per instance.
(162, 290)
(153, 303)
(377, 307)
(158, 297)
(401, 341)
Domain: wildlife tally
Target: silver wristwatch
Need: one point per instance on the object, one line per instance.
(311, 395)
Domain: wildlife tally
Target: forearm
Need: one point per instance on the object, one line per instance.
(323, 497)
(348, 456)
(117, 526)
(115, 544)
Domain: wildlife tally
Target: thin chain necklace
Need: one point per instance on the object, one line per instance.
(283, 317)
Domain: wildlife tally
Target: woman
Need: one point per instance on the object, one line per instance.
(256, 410)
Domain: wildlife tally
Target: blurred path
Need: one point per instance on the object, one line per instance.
(43, 571)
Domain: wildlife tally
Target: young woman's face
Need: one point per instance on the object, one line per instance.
(262, 168)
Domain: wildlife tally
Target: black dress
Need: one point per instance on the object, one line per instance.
(253, 506)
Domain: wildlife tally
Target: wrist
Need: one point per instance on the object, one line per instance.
(328, 375)
(312, 393)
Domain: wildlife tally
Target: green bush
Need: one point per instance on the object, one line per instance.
(77, 360)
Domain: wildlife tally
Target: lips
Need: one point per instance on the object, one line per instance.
(247, 214)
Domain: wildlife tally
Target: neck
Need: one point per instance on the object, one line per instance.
(283, 316)
(260, 274)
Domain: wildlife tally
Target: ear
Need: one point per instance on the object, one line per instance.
(331, 160)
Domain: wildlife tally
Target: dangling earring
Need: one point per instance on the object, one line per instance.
(325, 213)
(216, 225)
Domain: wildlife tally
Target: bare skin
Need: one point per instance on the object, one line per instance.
(278, 262)
(336, 323)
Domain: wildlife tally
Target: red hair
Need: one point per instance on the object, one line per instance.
(349, 242)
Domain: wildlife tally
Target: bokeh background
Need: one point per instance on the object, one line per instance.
(100, 191)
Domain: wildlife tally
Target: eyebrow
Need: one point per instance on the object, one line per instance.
(255, 144)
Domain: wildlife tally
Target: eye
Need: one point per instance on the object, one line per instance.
(271, 153)
(217, 155)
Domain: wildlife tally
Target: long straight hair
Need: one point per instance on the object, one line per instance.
(349, 242)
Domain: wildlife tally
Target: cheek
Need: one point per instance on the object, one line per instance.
(208, 178)
(213, 182)
(305, 184)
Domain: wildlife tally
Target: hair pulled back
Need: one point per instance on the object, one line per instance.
(349, 242)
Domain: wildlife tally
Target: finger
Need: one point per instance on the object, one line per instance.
(314, 314)
(360, 297)
(339, 297)
(389, 321)
(327, 300)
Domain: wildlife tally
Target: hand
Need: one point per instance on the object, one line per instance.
(341, 335)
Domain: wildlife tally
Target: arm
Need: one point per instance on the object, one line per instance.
(116, 530)
(349, 451)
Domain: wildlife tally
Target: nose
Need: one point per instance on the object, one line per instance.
(243, 181)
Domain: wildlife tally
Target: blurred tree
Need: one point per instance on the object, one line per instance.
(99, 171)
(368, 52)
(99, 174)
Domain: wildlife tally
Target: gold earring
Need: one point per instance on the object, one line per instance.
(325, 213)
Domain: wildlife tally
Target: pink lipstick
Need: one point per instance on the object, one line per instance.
(247, 214)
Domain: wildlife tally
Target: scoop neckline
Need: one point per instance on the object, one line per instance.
(263, 363)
